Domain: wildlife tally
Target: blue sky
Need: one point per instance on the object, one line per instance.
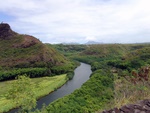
(56, 21)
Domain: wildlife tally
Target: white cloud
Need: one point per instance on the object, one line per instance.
(80, 20)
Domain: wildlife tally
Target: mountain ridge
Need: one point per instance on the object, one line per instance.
(18, 50)
(93, 42)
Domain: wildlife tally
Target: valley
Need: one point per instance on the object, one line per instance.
(120, 72)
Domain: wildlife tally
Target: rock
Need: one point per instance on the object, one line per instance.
(141, 107)
(146, 108)
(6, 32)
(116, 110)
(105, 112)
(127, 109)
(137, 106)
(144, 102)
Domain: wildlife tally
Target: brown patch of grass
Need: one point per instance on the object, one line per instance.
(132, 88)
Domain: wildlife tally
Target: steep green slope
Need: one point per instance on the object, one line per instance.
(27, 51)
(24, 51)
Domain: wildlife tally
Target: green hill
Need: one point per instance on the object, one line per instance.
(24, 52)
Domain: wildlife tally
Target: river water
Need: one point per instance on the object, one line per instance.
(82, 74)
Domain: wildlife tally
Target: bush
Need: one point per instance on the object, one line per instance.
(31, 72)
(70, 75)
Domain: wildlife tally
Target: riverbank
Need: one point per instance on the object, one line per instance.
(93, 95)
(81, 75)
(44, 86)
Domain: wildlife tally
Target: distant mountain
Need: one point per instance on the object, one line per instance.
(70, 43)
(93, 42)
(17, 50)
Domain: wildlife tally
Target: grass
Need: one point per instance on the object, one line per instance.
(130, 89)
(44, 86)
(126, 92)
(27, 51)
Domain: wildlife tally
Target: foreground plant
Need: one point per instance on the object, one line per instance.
(130, 89)
(22, 93)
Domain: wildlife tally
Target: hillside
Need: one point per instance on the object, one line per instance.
(123, 56)
(25, 51)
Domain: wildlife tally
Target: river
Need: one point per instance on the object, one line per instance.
(81, 75)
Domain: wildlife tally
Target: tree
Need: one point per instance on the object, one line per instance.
(22, 93)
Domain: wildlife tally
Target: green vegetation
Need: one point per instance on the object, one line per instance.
(22, 93)
(24, 54)
(130, 89)
(32, 72)
(95, 93)
(68, 50)
(120, 73)
(43, 86)
(20, 51)
(111, 84)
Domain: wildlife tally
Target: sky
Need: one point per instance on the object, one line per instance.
(80, 21)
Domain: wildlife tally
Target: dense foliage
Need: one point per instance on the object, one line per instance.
(95, 93)
(31, 72)
(101, 89)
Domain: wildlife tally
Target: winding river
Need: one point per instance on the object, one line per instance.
(82, 74)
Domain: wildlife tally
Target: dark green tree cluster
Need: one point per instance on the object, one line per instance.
(32, 72)
(68, 69)
(9, 74)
